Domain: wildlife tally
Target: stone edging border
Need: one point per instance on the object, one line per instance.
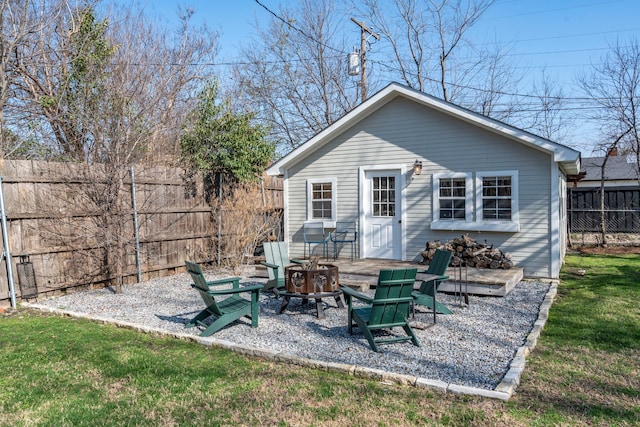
(503, 391)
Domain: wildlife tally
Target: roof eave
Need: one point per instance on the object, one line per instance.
(360, 112)
(568, 158)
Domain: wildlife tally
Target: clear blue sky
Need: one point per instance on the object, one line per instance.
(563, 36)
(566, 35)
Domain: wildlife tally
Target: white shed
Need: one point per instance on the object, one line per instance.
(478, 177)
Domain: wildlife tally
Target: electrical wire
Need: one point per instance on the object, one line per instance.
(293, 27)
(385, 64)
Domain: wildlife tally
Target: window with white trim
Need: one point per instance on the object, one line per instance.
(452, 198)
(497, 200)
(321, 199)
(487, 203)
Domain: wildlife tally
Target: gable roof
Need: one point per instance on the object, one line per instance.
(618, 168)
(568, 158)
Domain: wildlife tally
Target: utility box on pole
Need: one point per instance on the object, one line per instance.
(364, 30)
(354, 63)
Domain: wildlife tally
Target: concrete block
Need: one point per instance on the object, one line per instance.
(461, 389)
(437, 385)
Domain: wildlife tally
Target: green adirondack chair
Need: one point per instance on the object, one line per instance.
(276, 259)
(389, 308)
(426, 294)
(228, 309)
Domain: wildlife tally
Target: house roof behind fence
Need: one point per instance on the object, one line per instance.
(618, 168)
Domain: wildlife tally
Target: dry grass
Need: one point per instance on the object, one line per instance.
(247, 222)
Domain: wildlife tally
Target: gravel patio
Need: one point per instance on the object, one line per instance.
(479, 349)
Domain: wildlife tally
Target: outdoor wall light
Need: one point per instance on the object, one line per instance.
(417, 167)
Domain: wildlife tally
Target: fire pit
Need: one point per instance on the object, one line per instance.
(319, 280)
(311, 283)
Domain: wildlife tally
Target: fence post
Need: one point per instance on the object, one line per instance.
(135, 224)
(219, 219)
(6, 250)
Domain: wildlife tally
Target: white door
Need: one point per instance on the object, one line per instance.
(382, 215)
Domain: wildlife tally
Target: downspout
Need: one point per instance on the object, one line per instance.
(6, 250)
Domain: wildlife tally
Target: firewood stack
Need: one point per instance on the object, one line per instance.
(468, 252)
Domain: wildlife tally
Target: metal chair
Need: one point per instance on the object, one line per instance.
(345, 232)
(314, 234)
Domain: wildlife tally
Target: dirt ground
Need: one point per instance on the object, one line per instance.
(618, 243)
(609, 250)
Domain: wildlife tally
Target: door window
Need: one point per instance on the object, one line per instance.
(383, 197)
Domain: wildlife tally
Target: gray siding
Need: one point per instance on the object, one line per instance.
(401, 132)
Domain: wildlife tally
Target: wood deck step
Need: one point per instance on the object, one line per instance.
(482, 281)
(475, 281)
(358, 282)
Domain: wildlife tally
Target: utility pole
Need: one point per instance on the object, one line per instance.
(363, 54)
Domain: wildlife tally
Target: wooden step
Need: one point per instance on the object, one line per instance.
(358, 282)
(482, 281)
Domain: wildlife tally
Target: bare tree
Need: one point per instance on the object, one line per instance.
(19, 21)
(452, 22)
(295, 77)
(614, 86)
(112, 92)
(145, 99)
(75, 60)
(61, 69)
(488, 85)
(424, 38)
(544, 111)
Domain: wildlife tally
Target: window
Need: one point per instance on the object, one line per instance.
(321, 199)
(452, 198)
(383, 196)
(487, 203)
(496, 198)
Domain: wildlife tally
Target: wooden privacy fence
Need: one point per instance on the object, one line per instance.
(72, 225)
(621, 205)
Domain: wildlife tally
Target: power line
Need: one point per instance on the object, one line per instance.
(293, 27)
(560, 9)
(432, 80)
(200, 64)
(568, 36)
(289, 24)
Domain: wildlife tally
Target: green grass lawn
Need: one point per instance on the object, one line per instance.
(585, 370)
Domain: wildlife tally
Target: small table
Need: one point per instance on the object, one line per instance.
(315, 284)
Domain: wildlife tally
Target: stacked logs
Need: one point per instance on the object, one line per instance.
(469, 252)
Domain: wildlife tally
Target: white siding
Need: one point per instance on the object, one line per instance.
(403, 131)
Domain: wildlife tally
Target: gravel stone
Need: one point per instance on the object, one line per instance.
(473, 347)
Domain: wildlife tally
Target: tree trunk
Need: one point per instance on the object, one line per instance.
(603, 219)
